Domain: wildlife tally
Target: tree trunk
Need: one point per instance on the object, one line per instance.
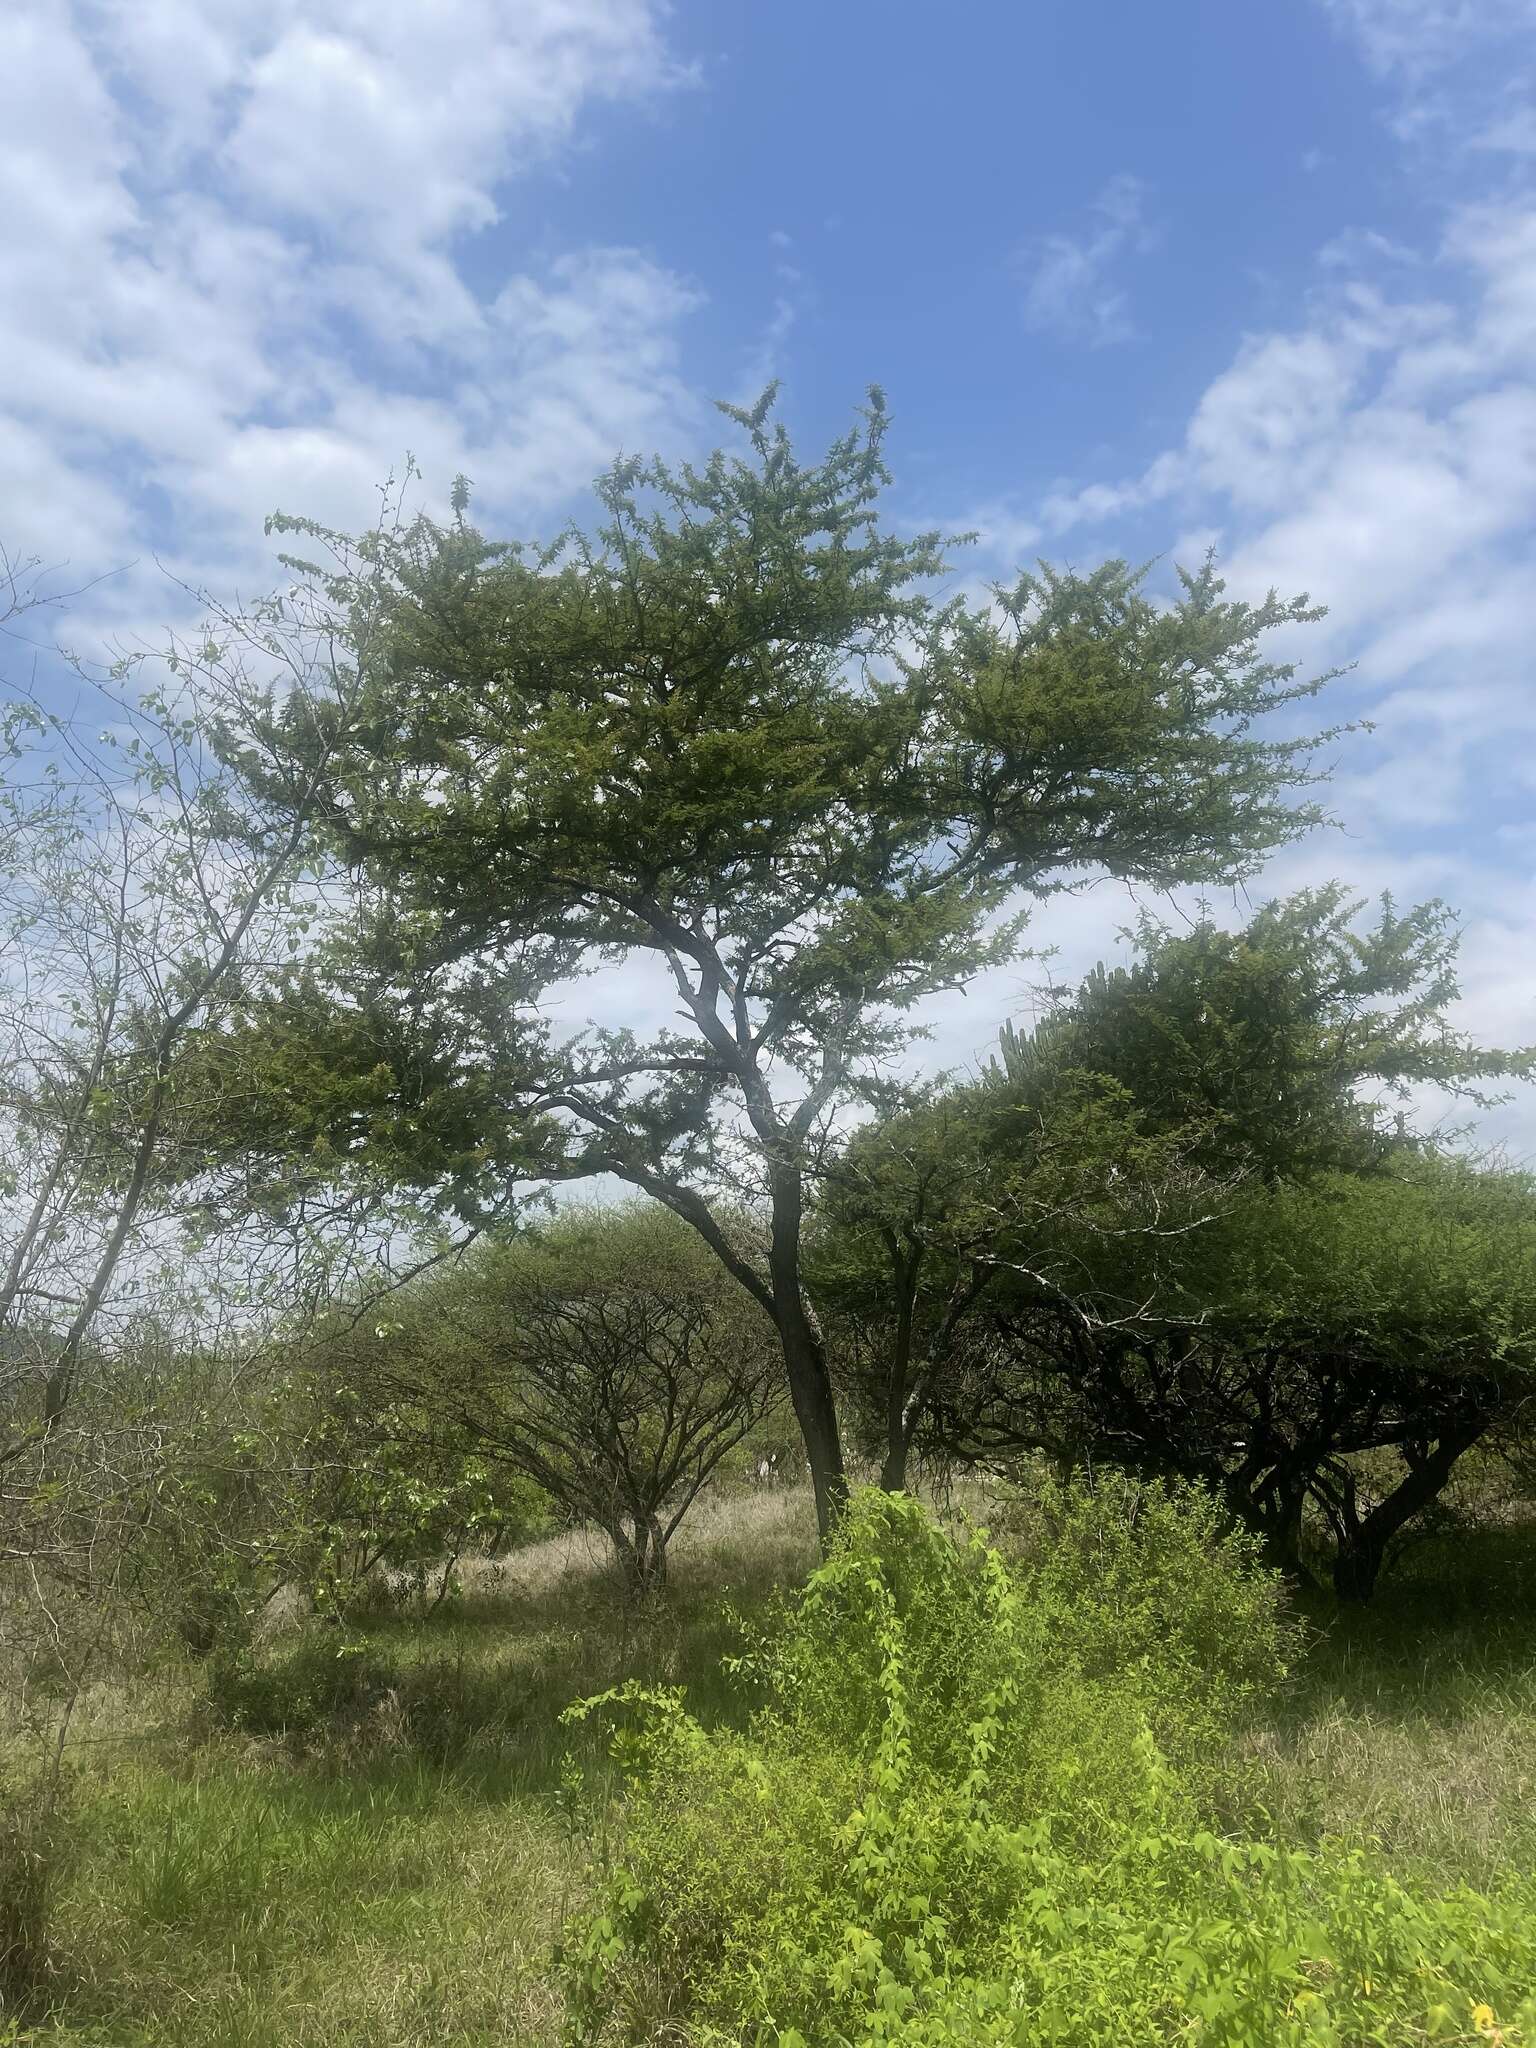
(810, 1390)
(642, 1557)
(805, 1356)
(1281, 1528)
(898, 1435)
(656, 1559)
(1356, 1568)
(1361, 1551)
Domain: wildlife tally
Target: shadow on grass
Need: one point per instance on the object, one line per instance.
(1411, 1722)
(475, 1689)
(1454, 1622)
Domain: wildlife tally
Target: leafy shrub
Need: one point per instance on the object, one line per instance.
(952, 1824)
(381, 1507)
(321, 1683)
(1152, 1575)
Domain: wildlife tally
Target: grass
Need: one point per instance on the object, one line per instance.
(1412, 1723)
(395, 1873)
(232, 1903)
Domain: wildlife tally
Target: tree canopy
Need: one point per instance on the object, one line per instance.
(1291, 1044)
(1185, 1223)
(1311, 1324)
(736, 732)
(606, 1356)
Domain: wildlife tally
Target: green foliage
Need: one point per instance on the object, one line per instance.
(1441, 1256)
(363, 1887)
(317, 1489)
(735, 730)
(380, 1490)
(1175, 1229)
(941, 1829)
(1080, 1178)
(1152, 1577)
(928, 1214)
(325, 1081)
(605, 1362)
(1348, 1339)
(1259, 1040)
(713, 694)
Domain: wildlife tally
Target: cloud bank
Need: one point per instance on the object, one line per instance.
(233, 274)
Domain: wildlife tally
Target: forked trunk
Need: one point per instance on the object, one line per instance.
(641, 1550)
(1363, 1548)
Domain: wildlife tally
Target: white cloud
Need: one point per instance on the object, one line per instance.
(1458, 71)
(1420, 35)
(1071, 288)
(1380, 455)
(396, 121)
(231, 272)
(1094, 504)
(792, 295)
(1005, 535)
(1413, 38)
(1357, 246)
(1512, 133)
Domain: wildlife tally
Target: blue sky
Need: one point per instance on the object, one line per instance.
(1136, 279)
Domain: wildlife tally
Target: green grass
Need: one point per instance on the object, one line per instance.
(234, 1903)
(395, 1874)
(1412, 1722)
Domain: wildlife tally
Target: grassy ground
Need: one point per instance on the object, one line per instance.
(394, 1868)
(1412, 1722)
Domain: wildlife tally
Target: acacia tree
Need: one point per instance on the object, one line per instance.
(1293, 1046)
(1357, 1314)
(925, 1214)
(734, 733)
(607, 1358)
(1067, 1222)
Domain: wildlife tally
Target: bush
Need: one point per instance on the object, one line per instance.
(324, 1684)
(1151, 1576)
(952, 1823)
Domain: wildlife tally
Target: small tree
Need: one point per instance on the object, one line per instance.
(1172, 1229)
(734, 733)
(146, 897)
(1356, 1315)
(923, 1216)
(1070, 1175)
(607, 1358)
